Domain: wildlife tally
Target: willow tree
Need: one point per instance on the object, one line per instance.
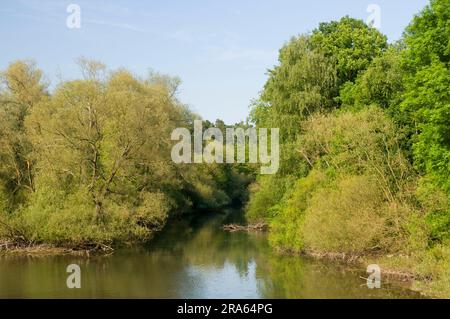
(312, 69)
(299, 86)
(21, 88)
(102, 145)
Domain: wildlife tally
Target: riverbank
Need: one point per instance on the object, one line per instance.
(21, 246)
(423, 273)
(192, 259)
(364, 260)
(395, 269)
(10, 248)
(390, 274)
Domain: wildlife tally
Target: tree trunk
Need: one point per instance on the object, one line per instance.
(98, 216)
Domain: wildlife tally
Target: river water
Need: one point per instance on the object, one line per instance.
(194, 259)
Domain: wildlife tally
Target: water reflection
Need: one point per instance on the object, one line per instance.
(190, 260)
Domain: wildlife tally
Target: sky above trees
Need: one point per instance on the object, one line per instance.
(220, 49)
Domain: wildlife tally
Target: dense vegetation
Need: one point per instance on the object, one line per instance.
(365, 136)
(90, 164)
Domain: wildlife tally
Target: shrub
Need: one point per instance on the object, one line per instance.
(266, 193)
(345, 218)
(356, 197)
(436, 204)
(69, 219)
(287, 225)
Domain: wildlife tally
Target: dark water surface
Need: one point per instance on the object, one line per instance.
(190, 260)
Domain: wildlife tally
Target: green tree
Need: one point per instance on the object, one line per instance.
(351, 43)
(101, 146)
(21, 88)
(380, 84)
(311, 71)
(427, 97)
(301, 85)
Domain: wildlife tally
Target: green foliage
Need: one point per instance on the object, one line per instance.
(437, 207)
(351, 43)
(428, 101)
(427, 98)
(356, 143)
(302, 84)
(67, 220)
(312, 69)
(380, 84)
(287, 225)
(365, 150)
(21, 88)
(427, 37)
(266, 193)
(323, 152)
(373, 176)
(93, 159)
(434, 264)
(346, 217)
(353, 199)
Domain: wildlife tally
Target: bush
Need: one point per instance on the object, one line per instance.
(357, 196)
(266, 193)
(69, 220)
(345, 218)
(436, 204)
(288, 224)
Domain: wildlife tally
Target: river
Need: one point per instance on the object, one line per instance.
(191, 259)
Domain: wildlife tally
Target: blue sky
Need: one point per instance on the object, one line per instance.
(221, 50)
